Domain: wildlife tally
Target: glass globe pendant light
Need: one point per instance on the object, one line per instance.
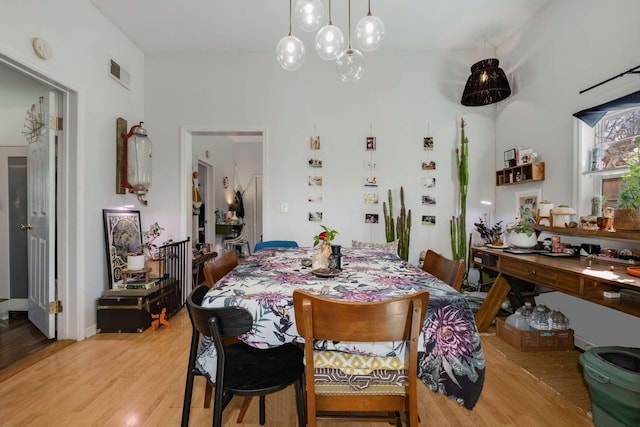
(310, 14)
(290, 50)
(369, 32)
(350, 62)
(329, 40)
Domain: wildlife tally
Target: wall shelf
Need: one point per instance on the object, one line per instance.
(596, 234)
(520, 174)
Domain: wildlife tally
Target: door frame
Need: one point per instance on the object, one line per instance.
(69, 246)
(186, 169)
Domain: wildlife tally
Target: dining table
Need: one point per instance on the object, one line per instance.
(451, 359)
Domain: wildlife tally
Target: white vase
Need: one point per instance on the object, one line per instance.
(521, 240)
(135, 262)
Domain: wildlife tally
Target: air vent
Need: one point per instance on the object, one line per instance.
(121, 75)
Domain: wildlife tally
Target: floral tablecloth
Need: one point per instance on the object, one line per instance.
(451, 360)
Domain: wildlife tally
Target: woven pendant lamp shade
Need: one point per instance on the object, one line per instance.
(486, 85)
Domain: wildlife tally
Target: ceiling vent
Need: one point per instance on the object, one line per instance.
(121, 75)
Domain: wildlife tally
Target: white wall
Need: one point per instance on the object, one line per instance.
(82, 41)
(400, 98)
(571, 45)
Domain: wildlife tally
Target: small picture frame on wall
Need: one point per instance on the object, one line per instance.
(427, 143)
(370, 181)
(315, 163)
(428, 220)
(371, 198)
(122, 235)
(429, 166)
(315, 216)
(314, 143)
(369, 164)
(428, 200)
(371, 143)
(371, 218)
(314, 197)
(315, 181)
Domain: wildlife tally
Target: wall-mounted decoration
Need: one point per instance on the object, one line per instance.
(371, 218)
(225, 182)
(428, 220)
(371, 143)
(315, 181)
(370, 181)
(428, 182)
(427, 143)
(34, 122)
(510, 158)
(428, 200)
(315, 163)
(428, 166)
(371, 198)
(314, 143)
(314, 197)
(369, 164)
(527, 203)
(315, 216)
(122, 235)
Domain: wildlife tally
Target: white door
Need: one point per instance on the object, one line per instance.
(41, 208)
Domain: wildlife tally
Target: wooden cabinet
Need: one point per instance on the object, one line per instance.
(520, 174)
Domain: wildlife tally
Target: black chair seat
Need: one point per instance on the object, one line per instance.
(245, 368)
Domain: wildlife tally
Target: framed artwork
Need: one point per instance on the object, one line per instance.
(369, 164)
(122, 235)
(428, 166)
(371, 198)
(428, 182)
(427, 143)
(527, 203)
(314, 197)
(428, 220)
(314, 143)
(371, 218)
(370, 181)
(315, 163)
(510, 158)
(428, 200)
(371, 143)
(315, 216)
(315, 181)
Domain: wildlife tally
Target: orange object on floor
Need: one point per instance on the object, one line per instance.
(161, 319)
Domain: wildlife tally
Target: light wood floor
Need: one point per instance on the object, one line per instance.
(138, 379)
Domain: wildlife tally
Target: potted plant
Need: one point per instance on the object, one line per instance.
(627, 215)
(490, 235)
(522, 233)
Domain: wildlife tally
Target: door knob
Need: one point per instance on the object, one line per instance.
(26, 226)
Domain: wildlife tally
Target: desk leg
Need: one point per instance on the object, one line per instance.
(489, 308)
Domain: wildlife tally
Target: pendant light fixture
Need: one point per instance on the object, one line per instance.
(369, 32)
(290, 50)
(310, 14)
(350, 62)
(329, 40)
(486, 85)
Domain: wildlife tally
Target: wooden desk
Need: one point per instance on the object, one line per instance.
(572, 276)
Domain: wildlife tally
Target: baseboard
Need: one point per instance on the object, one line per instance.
(582, 344)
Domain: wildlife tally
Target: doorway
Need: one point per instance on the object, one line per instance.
(19, 80)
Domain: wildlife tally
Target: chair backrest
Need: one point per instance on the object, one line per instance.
(323, 318)
(219, 267)
(447, 270)
(231, 321)
(275, 244)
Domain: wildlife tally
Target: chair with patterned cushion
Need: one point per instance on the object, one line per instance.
(241, 369)
(385, 395)
(447, 270)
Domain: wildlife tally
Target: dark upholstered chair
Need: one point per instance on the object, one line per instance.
(398, 319)
(241, 369)
(449, 271)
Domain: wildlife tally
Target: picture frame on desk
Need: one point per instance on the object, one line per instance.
(527, 203)
(122, 235)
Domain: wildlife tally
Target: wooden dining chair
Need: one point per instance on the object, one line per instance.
(447, 270)
(241, 369)
(398, 319)
(219, 267)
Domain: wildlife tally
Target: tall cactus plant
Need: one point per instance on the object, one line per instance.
(458, 228)
(403, 225)
(389, 227)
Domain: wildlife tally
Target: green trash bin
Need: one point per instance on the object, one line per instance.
(613, 377)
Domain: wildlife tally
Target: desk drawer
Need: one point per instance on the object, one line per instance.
(541, 275)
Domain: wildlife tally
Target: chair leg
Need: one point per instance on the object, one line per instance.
(188, 388)
(243, 409)
(208, 392)
(262, 411)
(301, 403)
